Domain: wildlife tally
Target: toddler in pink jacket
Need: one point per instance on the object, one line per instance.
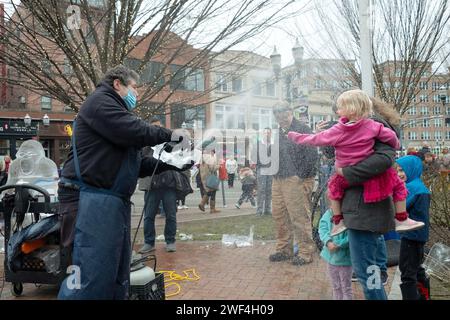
(353, 139)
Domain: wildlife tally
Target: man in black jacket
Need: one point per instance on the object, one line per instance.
(291, 191)
(96, 185)
(159, 189)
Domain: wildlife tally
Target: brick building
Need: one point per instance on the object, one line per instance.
(426, 122)
(3, 87)
(184, 96)
(20, 103)
(180, 74)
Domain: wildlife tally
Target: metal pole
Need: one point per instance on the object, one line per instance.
(224, 154)
(223, 194)
(366, 46)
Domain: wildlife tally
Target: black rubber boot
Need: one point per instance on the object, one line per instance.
(409, 291)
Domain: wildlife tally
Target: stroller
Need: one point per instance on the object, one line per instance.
(33, 253)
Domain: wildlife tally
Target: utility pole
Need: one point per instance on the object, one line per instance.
(366, 46)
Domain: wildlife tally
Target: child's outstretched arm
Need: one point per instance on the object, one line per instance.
(388, 136)
(325, 138)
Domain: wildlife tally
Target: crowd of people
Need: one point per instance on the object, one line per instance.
(371, 192)
(432, 165)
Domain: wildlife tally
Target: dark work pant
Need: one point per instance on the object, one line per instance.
(152, 200)
(68, 215)
(67, 210)
(410, 264)
(231, 180)
(247, 194)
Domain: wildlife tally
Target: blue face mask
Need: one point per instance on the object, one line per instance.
(130, 100)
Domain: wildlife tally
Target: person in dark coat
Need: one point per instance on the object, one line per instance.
(415, 284)
(367, 223)
(248, 181)
(162, 188)
(264, 196)
(97, 182)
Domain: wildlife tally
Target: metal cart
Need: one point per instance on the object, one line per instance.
(34, 201)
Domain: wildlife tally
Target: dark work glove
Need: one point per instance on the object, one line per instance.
(168, 147)
(187, 166)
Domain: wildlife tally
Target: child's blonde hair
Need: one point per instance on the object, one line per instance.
(355, 103)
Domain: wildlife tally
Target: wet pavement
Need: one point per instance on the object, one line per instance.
(224, 273)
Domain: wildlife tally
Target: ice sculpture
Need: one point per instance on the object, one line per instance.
(32, 167)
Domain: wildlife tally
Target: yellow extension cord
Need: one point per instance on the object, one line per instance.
(171, 278)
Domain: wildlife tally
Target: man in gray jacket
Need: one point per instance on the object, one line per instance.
(291, 191)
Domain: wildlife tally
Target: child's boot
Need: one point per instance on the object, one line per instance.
(203, 203)
(404, 224)
(424, 289)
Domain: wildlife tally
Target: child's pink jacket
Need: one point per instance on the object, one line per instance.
(353, 142)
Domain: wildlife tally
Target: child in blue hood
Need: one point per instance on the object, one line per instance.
(415, 284)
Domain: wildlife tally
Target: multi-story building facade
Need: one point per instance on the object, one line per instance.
(244, 94)
(312, 86)
(247, 87)
(245, 91)
(181, 79)
(426, 121)
(37, 106)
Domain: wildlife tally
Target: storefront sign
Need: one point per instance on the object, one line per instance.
(17, 128)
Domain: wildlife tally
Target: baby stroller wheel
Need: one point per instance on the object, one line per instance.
(17, 289)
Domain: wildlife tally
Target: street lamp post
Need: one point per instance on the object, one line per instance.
(27, 120)
(45, 120)
(275, 60)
